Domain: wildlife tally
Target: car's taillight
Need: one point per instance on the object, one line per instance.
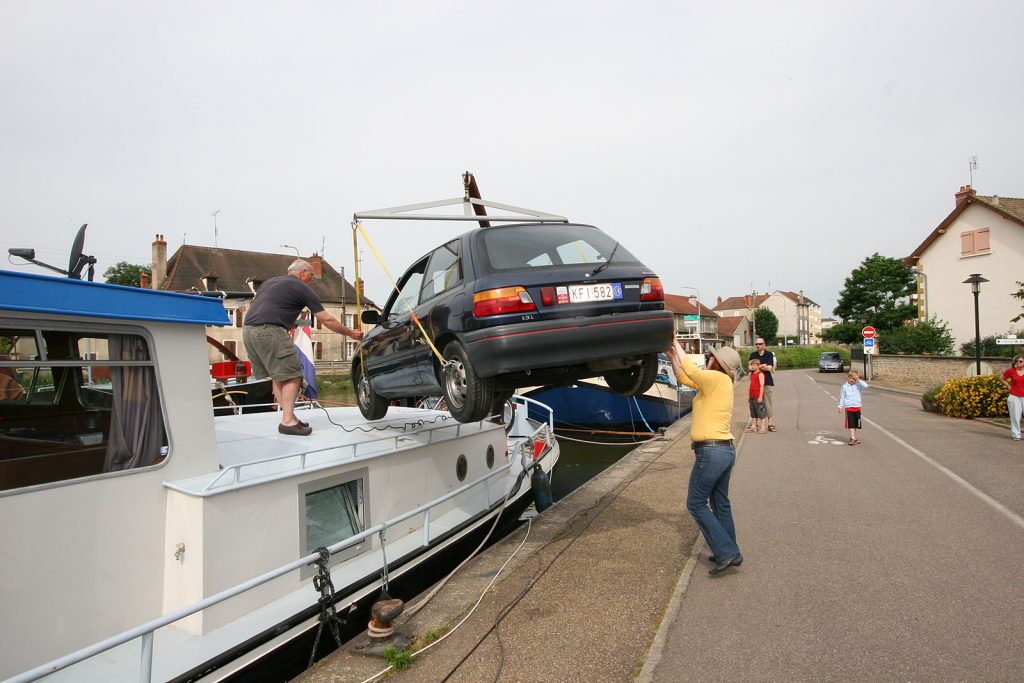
(651, 290)
(501, 301)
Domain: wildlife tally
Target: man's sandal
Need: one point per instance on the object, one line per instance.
(771, 428)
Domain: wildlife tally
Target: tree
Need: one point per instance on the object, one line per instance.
(124, 273)
(766, 324)
(1019, 295)
(989, 347)
(927, 336)
(878, 293)
(843, 333)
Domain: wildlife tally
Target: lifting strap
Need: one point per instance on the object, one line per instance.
(357, 226)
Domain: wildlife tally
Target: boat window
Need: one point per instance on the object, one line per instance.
(333, 509)
(76, 404)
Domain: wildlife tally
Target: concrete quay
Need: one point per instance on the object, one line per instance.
(898, 559)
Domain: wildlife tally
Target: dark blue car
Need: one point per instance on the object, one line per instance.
(511, 306)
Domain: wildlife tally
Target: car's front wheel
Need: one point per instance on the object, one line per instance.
(468, 395)
(372, 406)
(634, 380)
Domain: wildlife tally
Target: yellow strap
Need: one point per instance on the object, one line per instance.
(359, 226)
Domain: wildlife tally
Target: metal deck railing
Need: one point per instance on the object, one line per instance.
(146, 631)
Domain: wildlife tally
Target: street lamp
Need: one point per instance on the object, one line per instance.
(288, 246)
(975, 281)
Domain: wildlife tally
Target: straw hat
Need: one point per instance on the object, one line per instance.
(727, 359)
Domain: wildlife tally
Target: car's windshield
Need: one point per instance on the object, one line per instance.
(534, 246)
(830, 356)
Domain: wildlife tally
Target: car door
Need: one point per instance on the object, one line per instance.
(441, 283)
(391, 354)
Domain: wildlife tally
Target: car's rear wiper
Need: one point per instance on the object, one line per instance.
(607, 261)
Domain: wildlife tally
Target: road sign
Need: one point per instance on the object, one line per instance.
(868, 343)
(868, 332)
(1010, 341)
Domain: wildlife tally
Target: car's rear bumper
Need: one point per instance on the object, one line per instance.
(567, 341)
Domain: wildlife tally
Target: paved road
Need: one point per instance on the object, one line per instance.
(899, 559)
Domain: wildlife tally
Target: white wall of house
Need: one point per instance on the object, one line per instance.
(793, 318)
(945, 268)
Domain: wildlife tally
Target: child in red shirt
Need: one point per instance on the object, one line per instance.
(758, 415)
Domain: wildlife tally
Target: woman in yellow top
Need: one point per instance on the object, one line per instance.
(714, 451)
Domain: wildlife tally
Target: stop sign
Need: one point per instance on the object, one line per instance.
(868, 332)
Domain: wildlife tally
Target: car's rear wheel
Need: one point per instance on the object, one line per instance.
(634, 380)
(372, 406)
(469, 396)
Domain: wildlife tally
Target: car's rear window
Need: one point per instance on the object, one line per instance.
(536, 246)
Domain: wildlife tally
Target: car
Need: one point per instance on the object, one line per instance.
(830, 361)
(510, 306)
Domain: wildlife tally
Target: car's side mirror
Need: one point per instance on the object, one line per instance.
(370, 317)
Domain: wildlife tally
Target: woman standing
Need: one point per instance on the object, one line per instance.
(1013, 378)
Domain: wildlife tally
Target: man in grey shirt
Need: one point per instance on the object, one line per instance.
(272, 352)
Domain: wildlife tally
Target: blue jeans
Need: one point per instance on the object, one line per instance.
(709, 482)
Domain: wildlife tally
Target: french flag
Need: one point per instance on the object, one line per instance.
(304, 345)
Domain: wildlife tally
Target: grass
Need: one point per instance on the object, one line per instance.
(790, 357)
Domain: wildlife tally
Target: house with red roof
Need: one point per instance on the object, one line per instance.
(983, 235)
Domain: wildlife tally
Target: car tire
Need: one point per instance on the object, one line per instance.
(468, 395)
(635, 380)
(372, 406)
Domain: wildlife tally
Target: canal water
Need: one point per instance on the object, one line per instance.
(578, 463)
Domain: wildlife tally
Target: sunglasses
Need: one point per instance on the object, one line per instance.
(759, 344)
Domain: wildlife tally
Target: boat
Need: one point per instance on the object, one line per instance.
(591, 404)
(143, 537)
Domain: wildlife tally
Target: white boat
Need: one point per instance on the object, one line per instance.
(127, 515)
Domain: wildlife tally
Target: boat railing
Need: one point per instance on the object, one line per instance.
(233, 473)
(147, 631)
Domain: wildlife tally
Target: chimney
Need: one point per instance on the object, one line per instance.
(995, 200)
(748, 301)
(210, 282)
(801, 299)
(965, 193)
(159, 261)
(143, 280)
(317, 261)
(719, 301)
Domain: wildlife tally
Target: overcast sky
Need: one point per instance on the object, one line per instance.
(730, 146)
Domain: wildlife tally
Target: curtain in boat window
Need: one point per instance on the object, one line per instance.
(136, 428)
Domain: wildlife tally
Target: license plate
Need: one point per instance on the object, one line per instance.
(579, 294)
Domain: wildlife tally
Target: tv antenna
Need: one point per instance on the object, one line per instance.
(214, 214)
(972, 164)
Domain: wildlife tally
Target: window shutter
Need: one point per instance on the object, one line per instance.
(981, 240)
(966, 243)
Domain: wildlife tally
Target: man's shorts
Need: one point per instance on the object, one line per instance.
(768, 399)
(271, 352)
(757, 410)
(853, 418)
